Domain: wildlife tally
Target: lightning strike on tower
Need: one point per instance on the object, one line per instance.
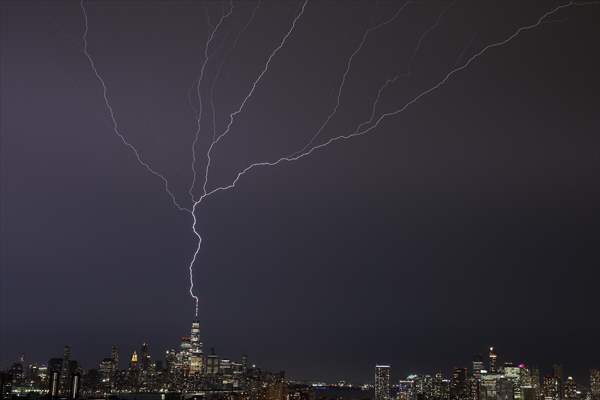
(364, 128)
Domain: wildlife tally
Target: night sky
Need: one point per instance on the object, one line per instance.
(468, 220)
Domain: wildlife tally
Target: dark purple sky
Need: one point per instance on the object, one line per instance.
(470, 219)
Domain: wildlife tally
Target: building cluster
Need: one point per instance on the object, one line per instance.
(186, 373)
(487, 381)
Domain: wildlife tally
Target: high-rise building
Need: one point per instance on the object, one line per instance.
(535, 382)
(114, 355)
(74, 386)
(439, 387)
(550, 388)
(595, 384)
(570, 389)
(513, 374)
(504, 389)
(107, 371)
(558, 374)
(382, 382)
(196, 356)
(487, 386)
(133, 362)
(459, 387)
(477, 366)
(493, 360)
(405, 389)
(212, 363)
(144, 357)
(65, 372)
(528, 393)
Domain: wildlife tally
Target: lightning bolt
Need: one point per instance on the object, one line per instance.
(347, 71)
(198, 92)
(424, 35)
(250, 93)
(364, 131)
(218, 74)
(113, 118)
(215, 141)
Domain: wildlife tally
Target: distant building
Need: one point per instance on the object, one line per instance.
(513, 374)
(570, 389)
(488, 386)
(405, 388)
(382, 382)
(550, 388)
(504, 389)
(459, 386)
(595, 384)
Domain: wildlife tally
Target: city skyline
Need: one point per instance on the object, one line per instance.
(463, 214)
(192, 372)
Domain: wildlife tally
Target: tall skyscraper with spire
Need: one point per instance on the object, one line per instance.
(196, 354)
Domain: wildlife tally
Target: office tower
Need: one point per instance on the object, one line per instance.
(195, 336)
(106, 369)
(535, 382)
(595, 384)
(382, 382)
(570, 389)
(529, 393)
(144, 357)
(405, 390)
(54, 387)
(550, 388)
(65, 372)
(133, 362)
(504, 389)
(475, 381)
(487, 386)
(55, 367)
(196, 356)
(439, 390)
(477, 366)
(212, 363)
(513, 373)
(459, 388)
(493, 360)
(75, 383)
(558, 374)
(427, 387)
(475, 388)
(114, 355)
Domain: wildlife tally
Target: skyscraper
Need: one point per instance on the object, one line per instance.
(550, 388)
(493, 359)
(595, 384)
(382, 382)
(114, 355)
(64, 373)
(459, 388)
(196, 354)
(570, 389)
(558, 374)
(504, 389)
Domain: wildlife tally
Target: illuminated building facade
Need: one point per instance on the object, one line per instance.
(382, 382)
